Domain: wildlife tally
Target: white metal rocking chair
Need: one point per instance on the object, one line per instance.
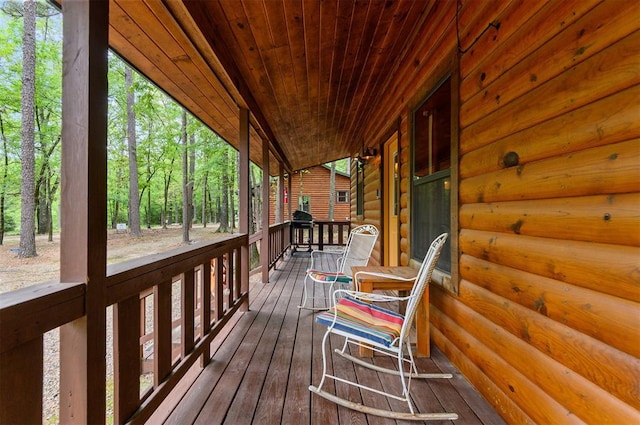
(356, 253)
(384, 331)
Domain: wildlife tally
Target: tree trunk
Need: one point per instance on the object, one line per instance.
(27, 219)
(166, 214)
(232, 185)
(3, 183)
(332, 190)
(224, 202)
(185, 180)
(134, 194)
(204, 201)
(254, 254)
(192, 174)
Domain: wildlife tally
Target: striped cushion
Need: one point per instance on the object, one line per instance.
(368, 321)
(320, 276)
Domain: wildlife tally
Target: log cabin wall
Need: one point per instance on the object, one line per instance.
(315, 183)
(545, 322)
(371, 202)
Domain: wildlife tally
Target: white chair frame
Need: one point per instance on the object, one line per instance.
(399, 349)
(357, 252)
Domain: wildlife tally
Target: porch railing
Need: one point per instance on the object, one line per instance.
(279, 241)
(167, 308)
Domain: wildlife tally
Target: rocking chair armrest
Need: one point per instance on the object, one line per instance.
(366, 296)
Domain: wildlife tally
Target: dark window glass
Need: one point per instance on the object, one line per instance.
(431, 197)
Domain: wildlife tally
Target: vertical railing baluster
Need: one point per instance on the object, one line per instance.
(161, 331)
(219, 289)
(238, 279)
(187, 305)
(228, 278)
(205, 309)
(126, 359)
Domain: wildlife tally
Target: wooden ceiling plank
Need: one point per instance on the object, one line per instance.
(190, 50)
(155, 29)
(251, 61)
(120, 43)
(340, 38)
(326, 82)
(355, 29)
(311, 18)
(295, 38)
(139, 40)
(277, 21)
(367, 66)
(390, 28)
(216, 20)
(418, 54)
(283, 90)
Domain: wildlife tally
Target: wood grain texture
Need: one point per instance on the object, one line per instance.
(610, 269)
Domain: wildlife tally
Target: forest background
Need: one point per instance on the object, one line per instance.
(163, 164)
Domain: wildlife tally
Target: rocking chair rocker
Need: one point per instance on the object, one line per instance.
(356, 253)
(384, 331)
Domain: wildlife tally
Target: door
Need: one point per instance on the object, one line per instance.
(391, 205)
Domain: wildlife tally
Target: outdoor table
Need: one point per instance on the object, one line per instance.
(369, 283)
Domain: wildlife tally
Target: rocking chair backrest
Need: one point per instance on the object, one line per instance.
(359, 247)
(422, 280)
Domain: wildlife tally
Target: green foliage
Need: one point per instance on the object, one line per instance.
(158, 129)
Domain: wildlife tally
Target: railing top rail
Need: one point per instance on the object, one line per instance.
(131, 277)
(29, 312)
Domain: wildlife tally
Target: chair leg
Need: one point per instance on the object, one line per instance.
(304, 293)
(325, 338)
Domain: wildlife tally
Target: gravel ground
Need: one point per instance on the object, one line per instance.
(16, 273)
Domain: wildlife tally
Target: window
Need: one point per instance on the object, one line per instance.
(431, 185)
(304, 203)
(342, 196)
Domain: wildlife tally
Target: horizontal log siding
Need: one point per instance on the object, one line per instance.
(372, 203)
(315, 183)
(545, 324)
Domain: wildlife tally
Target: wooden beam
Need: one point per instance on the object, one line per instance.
(243, 198)
(264, 243)
(84, 207)
(280, 197)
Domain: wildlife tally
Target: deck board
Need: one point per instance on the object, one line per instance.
(264, 362)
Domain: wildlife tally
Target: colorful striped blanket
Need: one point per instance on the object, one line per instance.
(366, 320)
(320, 276)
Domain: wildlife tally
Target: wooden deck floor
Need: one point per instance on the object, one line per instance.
(263, 365)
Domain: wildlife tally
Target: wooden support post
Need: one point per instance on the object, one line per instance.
(243, 200)
(280, 200)
(83, 246)
(21, 393)
(264, 243)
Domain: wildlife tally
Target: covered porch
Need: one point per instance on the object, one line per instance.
(264, 360)
(539, 306)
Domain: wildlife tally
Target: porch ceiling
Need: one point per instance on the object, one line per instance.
(310, 71)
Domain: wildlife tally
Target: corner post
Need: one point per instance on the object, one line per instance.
(83, 242)
(266, 240)
(243, 201)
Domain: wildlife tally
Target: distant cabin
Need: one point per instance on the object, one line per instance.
(310, 193)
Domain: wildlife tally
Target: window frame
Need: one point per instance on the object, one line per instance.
(345, 198)
(450, 279)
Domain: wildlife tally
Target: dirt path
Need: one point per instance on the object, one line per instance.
(19, 272)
